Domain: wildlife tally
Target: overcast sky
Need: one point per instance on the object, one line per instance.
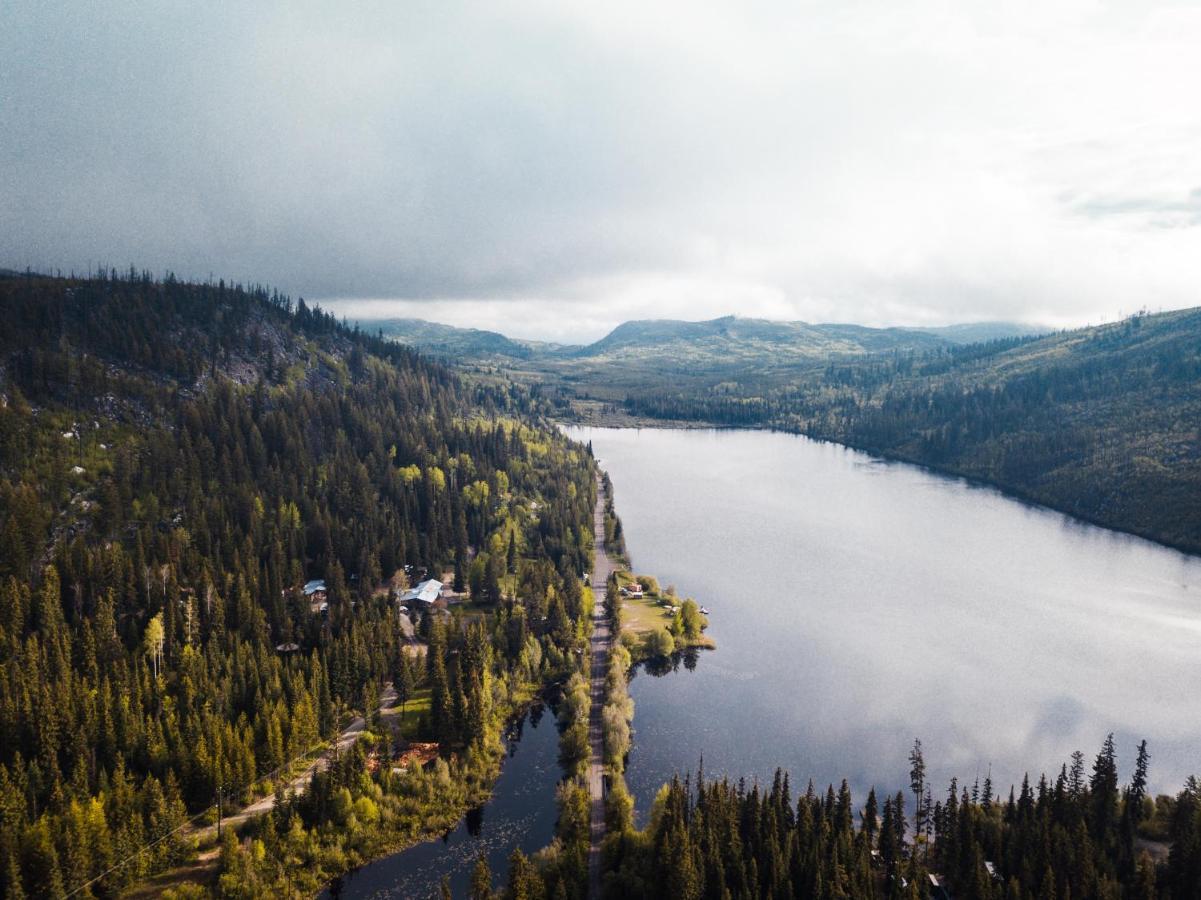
(550, 169)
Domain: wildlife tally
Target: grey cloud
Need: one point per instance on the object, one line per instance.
(405, 153)
(849, 161)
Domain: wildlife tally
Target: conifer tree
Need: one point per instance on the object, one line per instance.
(481, 880)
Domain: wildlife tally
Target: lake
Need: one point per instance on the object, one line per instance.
(858, 604)
(521, 813)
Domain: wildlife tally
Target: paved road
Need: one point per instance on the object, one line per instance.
(602, 640)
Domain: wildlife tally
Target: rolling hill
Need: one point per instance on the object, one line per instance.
(716, 342)
(732, 342)
(665, 345)
(436, 339)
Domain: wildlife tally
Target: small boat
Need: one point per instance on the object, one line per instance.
(704, 610)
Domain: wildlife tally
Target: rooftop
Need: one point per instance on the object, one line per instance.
(426, 592)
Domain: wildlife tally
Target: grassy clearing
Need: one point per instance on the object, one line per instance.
(409, 721)
(641, 616)
(473, 610)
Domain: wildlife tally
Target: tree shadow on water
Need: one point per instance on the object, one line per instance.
(658, 666)
(474, 820)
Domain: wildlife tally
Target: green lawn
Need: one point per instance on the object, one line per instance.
(641, 616)
(417, 706)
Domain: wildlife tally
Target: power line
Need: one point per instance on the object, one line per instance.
(336, 741)
(136, 853)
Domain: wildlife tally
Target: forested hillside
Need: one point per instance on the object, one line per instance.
(1101, 422)
(177, 461)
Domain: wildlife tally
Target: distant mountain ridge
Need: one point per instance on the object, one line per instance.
(439, 339)
(729, 340)
(981, 332)
(743, 338)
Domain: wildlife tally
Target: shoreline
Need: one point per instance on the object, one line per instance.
(599, 665)
(451, 822)
(630, 423)
(204, 865)
(599, 641)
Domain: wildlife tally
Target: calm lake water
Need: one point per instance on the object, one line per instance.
(858, 604)
(521, 813)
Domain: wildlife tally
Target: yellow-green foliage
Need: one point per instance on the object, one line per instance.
(437, 478)
(658, 643)
(573, 715)
(618, 713)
